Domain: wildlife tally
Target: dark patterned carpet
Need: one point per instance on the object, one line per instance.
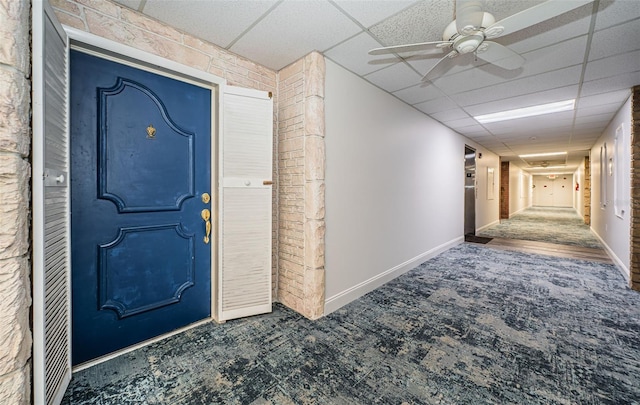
(546, 224)
(471, 326)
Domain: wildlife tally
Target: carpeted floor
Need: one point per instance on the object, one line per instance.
(471, 326)
(545, 224)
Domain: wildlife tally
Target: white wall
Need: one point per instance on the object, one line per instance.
(613, 231)
(394, 187)
(520, 190)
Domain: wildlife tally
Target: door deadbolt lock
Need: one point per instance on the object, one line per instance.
(206, 198)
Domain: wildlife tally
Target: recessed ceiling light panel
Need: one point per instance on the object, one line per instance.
(542, 154)
(541, 109)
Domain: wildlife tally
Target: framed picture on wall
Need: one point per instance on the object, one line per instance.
(621, 181)
(491, 183)
(603, 175)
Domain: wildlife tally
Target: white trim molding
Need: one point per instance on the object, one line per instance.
(341, 299)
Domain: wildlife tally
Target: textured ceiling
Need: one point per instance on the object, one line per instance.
(591, 53)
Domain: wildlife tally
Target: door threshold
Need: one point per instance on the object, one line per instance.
(131, 348)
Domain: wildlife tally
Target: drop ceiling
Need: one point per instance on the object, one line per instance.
(591, 54)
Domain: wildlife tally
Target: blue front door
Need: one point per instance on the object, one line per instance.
(140, 176)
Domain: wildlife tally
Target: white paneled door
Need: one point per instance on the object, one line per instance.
(245, 201)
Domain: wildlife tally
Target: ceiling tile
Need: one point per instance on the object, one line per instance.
(615, 40)
(618, 97)
(219, 22)
(598, 109)
(423, 22)
(613, 65)
(527, 85)
(608, 84)
(436, 105)
(292, 30)
(476, 131)
(461, 123)
(450, 115)
(612, 12)
(568, 25)
(350, 56)
(370, 12)
(418, 93)
(543, 97)
(394, 77)
(597, 118)
(592, 126)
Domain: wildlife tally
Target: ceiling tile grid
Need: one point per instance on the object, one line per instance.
(276, 33)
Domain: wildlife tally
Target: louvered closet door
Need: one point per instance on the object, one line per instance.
(51, 315)
(246, 148)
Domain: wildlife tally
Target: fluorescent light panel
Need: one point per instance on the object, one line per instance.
(542, 154)
(527, 111)
(546, 168)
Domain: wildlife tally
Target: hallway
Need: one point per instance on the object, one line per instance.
(558, 232)
(545, 224)
(473, 325)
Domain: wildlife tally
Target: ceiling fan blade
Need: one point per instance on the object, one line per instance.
(532, 16)
(469, 15)
(500, 55)
(440, 67)
(421, 46)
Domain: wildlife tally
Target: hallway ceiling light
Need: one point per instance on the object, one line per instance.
(526, 112)
(542, 154)
(546, 167)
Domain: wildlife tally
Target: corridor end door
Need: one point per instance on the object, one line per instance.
(140, 205)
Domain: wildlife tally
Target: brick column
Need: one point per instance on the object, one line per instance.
(504, 190)
(314, 156)
(587, 190)
(15, 142)
(301, 167)
(635, 190)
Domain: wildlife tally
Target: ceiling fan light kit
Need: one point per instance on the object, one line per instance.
(472, 26)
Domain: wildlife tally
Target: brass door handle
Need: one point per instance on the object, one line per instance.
(206, 216)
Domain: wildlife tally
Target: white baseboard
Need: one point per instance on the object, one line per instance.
(616, 260)
(341, 299)
(482, 228)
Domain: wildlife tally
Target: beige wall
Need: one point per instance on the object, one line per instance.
(15, 170)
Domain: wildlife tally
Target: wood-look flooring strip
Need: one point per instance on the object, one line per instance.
(551, 249)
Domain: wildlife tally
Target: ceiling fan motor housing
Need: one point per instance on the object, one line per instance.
(467, 43)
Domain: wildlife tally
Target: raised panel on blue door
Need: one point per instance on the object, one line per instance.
(140, 169)
(145, 268)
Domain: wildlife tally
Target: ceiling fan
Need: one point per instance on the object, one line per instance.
(470, 31)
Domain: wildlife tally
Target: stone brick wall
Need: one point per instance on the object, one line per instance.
(123, 25)
(15, 138)
(634, 267)
(504, 190)
(301, 193)
(587, 190)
